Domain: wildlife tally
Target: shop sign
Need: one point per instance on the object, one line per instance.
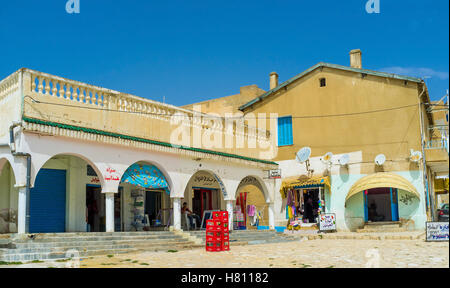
(275, 174)
(327, 222)
(204, 181)
(437, 231)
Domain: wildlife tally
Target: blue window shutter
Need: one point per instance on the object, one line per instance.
(285, 131)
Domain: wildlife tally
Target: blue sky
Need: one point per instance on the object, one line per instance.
(190, 51)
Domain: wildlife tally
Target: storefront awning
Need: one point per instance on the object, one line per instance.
(145, 176)
(302, 182)
(380, 180)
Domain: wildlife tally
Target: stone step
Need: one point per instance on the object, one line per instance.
(95, 238)
(87, 244)
(386, 230)
(84, 234)
(27, 257)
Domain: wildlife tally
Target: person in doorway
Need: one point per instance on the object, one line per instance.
(191, 215)
(92, 212)
(309, 210)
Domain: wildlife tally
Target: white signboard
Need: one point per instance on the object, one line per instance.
(327, 222)
(275, 174)
(437, 231)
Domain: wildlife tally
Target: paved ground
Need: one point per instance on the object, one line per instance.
(300, 254)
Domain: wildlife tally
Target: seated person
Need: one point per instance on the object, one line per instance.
(191, 215)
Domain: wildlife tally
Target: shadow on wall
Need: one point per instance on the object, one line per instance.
(408, 206)
(343, 174)
(8, 221)
(414, 171)
(354, 212)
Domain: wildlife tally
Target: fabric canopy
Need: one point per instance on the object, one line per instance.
(145, 176)
(379, 180)
(298, 182)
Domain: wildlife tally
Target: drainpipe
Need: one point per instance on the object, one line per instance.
(12, 145)
(424, 163)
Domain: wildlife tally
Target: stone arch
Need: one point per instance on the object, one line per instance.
(255, 181)
(159, 167)
(38, 164)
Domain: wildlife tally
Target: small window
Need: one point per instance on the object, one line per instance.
(90, 171)
(285, 136)
(323, 82)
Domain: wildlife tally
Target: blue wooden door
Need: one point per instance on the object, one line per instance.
(394, 204)
(48, 202)
(366, 207)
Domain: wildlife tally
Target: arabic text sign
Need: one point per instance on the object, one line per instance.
(327, 222)
(437, 231)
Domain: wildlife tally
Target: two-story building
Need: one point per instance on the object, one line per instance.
(76, 157)
(366, 134)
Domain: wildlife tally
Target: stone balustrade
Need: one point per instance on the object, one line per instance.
(61, 100)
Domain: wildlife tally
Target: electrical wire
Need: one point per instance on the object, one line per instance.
(212, 116)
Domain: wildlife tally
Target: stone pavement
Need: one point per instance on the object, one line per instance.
(304, 253)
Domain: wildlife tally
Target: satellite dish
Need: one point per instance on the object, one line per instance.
(344, 159)
(303, 154)
(327, 157)
(416, 156)
(380, 159)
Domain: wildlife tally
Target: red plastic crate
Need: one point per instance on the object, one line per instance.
(217, 222)
(224, 214)
(225, 245)
(210, 246)
(218, 246)
(217, 215)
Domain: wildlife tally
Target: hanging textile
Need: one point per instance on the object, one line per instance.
(146, 176)
(303, 182)
(290, 200)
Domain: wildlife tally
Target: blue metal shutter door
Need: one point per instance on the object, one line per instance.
(48, 202)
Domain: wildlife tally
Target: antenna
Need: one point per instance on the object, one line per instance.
(344, 159)
(415, 156)
(327, 158)
(380, 159)
(302, 156)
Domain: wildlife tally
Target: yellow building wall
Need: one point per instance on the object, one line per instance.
(391, 132)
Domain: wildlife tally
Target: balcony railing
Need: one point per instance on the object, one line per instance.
(442, 143)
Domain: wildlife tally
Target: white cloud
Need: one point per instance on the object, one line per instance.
(416, 72)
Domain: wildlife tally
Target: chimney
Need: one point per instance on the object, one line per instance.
(273, 80)
(355, 59)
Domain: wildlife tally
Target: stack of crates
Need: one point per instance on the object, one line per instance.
(217, 232)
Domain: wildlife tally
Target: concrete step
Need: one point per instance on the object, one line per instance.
(55, 246)
(95, 238)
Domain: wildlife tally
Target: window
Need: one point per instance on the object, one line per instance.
(90, 171)
(323, 82)
(285, 131)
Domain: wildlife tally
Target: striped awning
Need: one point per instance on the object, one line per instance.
(302, 182)
(145, 176)
(382, 180)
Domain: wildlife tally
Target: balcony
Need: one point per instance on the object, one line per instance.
(50, 103)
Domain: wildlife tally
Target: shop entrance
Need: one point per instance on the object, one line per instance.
(310, 204)
(205, 199)
(153, 206)
(95, 215)
(380, 205)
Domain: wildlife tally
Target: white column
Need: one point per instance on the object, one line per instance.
(176, 213)
(271, 216)
(22, 211)
(109, 207)
(230, 213)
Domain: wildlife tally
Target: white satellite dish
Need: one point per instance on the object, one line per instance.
(303, 154)
(380, 159)
(327, 158)
(344, 159)
(415, 156)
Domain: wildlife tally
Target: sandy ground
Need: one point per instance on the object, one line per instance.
(325, 253)
(299, 254)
